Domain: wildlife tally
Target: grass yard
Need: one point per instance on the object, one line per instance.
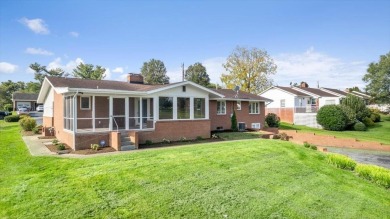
(253, 178)
(379, 133)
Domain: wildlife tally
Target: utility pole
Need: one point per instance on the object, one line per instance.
(182, 70)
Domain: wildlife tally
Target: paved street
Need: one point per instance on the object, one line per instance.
(365, 156)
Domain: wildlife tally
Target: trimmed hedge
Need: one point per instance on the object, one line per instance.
(341, 161)
(12, 118)
(359, 126)
(272, 120)
(350, 114)
(378, 175)
(368, 122)
(28, 123)
(332, 117)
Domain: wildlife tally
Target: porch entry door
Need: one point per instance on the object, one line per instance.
(119, 113)
(138, 110)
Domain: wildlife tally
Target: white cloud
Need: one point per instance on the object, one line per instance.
(175, 75)
(29, 70)
(38, 51)
(107, 74)
(68, 67)
(7, 68)
(36, 25)
(312, 67)
(74, 34)
(118, 70)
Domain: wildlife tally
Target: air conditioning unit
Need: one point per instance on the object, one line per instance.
(241, 126)
(256, 126)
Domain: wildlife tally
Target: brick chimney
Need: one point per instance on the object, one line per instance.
(304, 84)
(134, 78)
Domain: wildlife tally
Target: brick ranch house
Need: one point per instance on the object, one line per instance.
(81, 112)
(299, 105)
(28, 100)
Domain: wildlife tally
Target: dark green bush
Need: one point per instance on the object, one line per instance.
(350, 114)
(361, 115)
(27, 123)
(357, 105)
(332, 117)
(341, 161)
(368, 122)
(359, 126)
(12, 118)
(375, 117)
(306, 144)
(313, 147)
(272, 120)
(234, 126)
(148, 142)
(8, 107)
(61, 146)
(378, 175)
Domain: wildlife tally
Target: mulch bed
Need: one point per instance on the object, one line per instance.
(179, 143)
(90, 151)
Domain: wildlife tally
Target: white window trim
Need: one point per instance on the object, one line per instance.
(258, 107)
(238, 104)
(193, 108)
(89, 103)
(224, 102)
(281, 103)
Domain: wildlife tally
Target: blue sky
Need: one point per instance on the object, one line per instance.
(327, 41)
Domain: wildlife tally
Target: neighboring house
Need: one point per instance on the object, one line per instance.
(27, 100)
(299, 105)
(80, 112)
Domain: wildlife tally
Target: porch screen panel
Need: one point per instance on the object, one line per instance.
(84, 114)
(199, 108)
(147, 113)
(165, 108)
(102, 118)
(68, 113)
(183, 108)
(119, 113)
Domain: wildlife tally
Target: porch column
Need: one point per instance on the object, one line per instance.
(93, 113)
(155, 109)
(174, 108)
(140, 113)
(191, 107)
(75, 114)
(127, 112)
(110, 112)
(206, 107)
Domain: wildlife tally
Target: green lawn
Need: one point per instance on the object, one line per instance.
(380, 132)
(253, 178)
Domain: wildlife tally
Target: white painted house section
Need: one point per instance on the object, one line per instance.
(277, 95)
(48, 104)
(328, 101)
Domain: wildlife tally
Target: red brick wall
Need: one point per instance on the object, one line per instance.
(242, 115)
(174, 130)
(285, 114)
(58, 121)
(84, 140)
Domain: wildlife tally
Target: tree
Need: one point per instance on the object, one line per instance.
(197, 73)
(41, 72)
(7, 88)
(154, 72)
(88, 71)
(234, 122)
(378, 79)
(250, 69)
(32, 87)
(353, 89)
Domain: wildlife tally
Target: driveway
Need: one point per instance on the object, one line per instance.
(37, 116)
(379, 158)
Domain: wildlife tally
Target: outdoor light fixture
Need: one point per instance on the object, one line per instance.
(102, 143)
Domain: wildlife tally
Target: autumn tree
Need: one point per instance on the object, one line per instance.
(197, 73)
(40, 72)
(89, 71)
(250, 69)
(154, 72)
(378, 79)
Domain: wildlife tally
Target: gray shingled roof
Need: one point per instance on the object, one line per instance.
(317, 91)
(231, 94)
(24, 96)
(291, 90)
(336, 91)
(101, 84)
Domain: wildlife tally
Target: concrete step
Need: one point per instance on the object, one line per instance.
(125, 138)
(127, 142)
(127, 147)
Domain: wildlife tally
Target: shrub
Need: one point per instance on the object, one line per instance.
(234, 126)
(368, 122)
(166, 141)
(27, 123)
(8, 107)
(363, 114)
(332, 117)
(55, 142)
(341, 161)
(12, 118)
(276, 136)
(313, 147)
(35, 130)
(357, 105)
(283, 136)
(378, 175)
(61, 146)
(272, 120)
(199, 138)
(350, 114)
(359, 126)
(375, 117)
(372, 110)
(95, 147)
(148, 142)
(306, 144)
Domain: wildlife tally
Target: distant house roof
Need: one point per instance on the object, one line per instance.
(241, 95)
(24, 97)
(340, 92)
(315, 91)
(292, 91)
